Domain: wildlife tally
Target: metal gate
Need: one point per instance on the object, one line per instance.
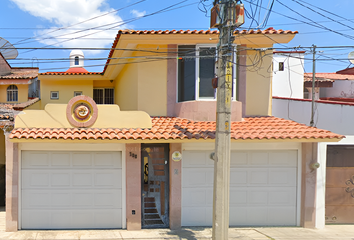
(155, 185)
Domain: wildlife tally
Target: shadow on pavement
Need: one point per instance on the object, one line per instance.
(188, 234)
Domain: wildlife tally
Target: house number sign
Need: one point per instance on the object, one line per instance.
(176, 156)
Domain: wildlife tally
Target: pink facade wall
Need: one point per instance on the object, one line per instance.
(133, 186)
(12, 175)
(175, 188)
(242, 77)
(308, 185)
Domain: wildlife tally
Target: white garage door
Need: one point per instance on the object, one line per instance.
(71, 190)
(263, 186)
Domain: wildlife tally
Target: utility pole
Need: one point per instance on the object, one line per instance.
(228, 13)
(313, 85)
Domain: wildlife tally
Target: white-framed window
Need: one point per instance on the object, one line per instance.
(54, 95)
(12, 93)
(77, 93)
(103, 95)
(196, 69)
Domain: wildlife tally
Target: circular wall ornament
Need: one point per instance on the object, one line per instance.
(81, 111)
(176, 156)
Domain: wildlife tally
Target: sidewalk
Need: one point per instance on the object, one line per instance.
(339, 232)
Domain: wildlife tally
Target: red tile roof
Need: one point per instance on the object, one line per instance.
(266, 31)
(18, 106)
(171, 128)
(70, 73)
(21, 73)
(328, 76)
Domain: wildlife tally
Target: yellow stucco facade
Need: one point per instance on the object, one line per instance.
(139, 77)
(22, 93)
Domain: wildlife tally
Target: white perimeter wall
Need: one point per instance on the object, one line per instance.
(341, 88)
(288, 83)
(336, 118)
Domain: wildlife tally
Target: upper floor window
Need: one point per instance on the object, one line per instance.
(196, 69)
(281, 66)
(76, 60)
(103, 95)
(12, 93)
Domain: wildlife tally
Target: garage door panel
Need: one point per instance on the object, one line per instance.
(238, 176)
(261, 182)
(259, 158)
(60, 160)
(257, 197)
(238, 196)
(105, 160)
(35, 159)
(282, 196)
(258, 176)
(60, 179)
(197, 158)
(197, 216)
(238, 216)
(71, 198)
(194, 197)
(257, 216)
(283, 216)
(283, 158)
(238, 158)
(195, 177)
(284, 176)
(42, 218)
(108, 179)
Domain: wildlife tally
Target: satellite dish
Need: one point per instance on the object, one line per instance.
(351, 57)
(7, 50)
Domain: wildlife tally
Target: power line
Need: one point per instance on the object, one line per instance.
(61, 28)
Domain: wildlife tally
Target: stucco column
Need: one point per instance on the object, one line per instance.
(241, 76)
(308, 185)
(133, 182)
(175, 188)
(171, 79)
(11, 184)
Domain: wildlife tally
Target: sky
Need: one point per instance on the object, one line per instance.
(94, 24)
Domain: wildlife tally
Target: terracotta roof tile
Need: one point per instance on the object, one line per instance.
(328, 77)
(181, 128)
(18, 106)
(21, 73)
(70, 73)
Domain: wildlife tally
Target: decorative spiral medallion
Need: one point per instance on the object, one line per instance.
(81, 111)
(348, 189)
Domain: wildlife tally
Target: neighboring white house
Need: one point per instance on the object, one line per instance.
(288, 74)
(335, 112)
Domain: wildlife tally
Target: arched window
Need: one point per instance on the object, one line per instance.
(76, 60)
(12, 93)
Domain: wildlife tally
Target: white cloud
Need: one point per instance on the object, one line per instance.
(63, 13)
(136, 13)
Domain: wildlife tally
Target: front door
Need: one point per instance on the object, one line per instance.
(155, 185)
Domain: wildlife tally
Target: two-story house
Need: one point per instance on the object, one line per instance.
(18, 90)
(130, 147)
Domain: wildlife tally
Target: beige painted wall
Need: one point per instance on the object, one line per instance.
(22, 93)
(125, 90)
(2, 147)
(259, 77)
(66, 90)
(152, 77)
